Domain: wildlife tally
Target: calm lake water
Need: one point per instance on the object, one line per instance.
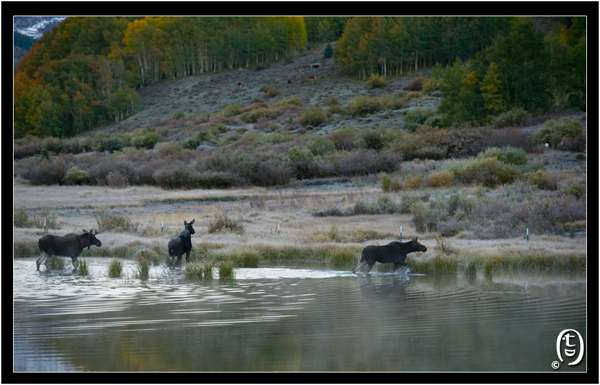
(292, 319)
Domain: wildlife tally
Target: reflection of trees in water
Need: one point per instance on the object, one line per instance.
(364, 323)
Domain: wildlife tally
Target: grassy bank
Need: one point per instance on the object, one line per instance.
(441, 259)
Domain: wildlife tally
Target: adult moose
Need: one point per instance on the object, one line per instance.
(69, 245)
(180, 244)
(394, 252)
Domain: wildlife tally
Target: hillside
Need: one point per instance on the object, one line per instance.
(212, 92)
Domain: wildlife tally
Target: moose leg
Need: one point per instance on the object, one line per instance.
(171, 261)
(396, 266)
(187, 257)
(41, 260)
(369, 268)
(360, 264)
(75, 263)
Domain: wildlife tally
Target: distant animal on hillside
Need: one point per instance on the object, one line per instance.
(180, 244)
(394, 252)
(312, 77)
(69, 245)
(289, 81)
(266, 90)
(239, 84)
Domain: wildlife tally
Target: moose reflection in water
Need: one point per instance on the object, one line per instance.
(394, 252)
(180, 244)
(69, 245)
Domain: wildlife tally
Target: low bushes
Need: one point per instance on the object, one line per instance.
(364, 105)
(556, 132)
(376, 81)
(312, 116)
(415, 84)
(512, 118)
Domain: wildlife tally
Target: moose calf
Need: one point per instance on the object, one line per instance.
(180, 244)
(394, 252)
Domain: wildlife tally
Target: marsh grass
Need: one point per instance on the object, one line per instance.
(83, 268)
(343, 257)
(194, 270)
(226, 272)
(115, 268)
(143, 269)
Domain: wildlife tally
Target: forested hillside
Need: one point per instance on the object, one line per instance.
(87, 72)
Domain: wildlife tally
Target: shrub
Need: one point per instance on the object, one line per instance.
(110, 143)
(413, 182)
(441, 178)
(383, 205)
(113, 221)
(232, 110)
(574, 188)
(272, 92)
(223, 223)
(430, 85)
(270, 173)
(53, 145)
(233, 137)
(178, 115)
(364, 105)
(512, 118)
(190, 143)
(312, 116)
(74, 146)
(20, 218)
(418, 219)
(392, 102)
(417, 117)
(144, 140)
(555, 131)
(377, 81)
(294, 101)
(489, 172)
(415, 84)
(253, 115)
(385, 181)
(168, 149)
(116, 180)
(320, 146)
(75, 176)
(509, 155)
(344, 138)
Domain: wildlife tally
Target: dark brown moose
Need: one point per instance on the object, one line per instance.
(69, 245)
(180, 244)
(394, 252)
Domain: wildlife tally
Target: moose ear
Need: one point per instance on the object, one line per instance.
(184, 222)
(192, 222)
(85, 231)
(415, 238)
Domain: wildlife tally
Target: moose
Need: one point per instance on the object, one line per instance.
(394, 252)
(180, 244)
(69, 245)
